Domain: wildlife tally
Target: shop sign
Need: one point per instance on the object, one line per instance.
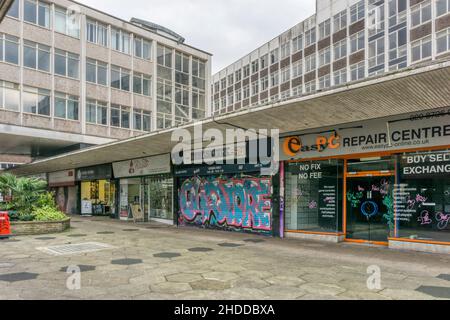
(229, 151)
(425, 165)
(322, 177)
(61, 178)
(142, 167)
(396, 133)
(219, 169)
(102, 172)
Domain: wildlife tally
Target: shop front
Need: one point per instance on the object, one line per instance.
(383, 182)
(97, 191)
(226, 197)
(146, 189)
(65, 189)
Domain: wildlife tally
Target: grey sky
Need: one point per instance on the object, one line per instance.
(229, 29)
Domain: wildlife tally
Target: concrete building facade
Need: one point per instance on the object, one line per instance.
(344, 41)
(72, 76)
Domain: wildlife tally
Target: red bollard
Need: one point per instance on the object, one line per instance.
(5, 227)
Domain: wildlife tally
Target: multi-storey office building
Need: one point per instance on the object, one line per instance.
(72, 75)
(346, 40)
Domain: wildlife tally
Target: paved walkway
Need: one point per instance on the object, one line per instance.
(159, 262)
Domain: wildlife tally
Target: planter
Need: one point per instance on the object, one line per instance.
(22, 228)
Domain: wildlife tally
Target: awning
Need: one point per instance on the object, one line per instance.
(415, 89)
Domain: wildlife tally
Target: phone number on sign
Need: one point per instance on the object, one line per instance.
(429, 115)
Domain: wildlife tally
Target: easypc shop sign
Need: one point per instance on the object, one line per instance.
(369, 137)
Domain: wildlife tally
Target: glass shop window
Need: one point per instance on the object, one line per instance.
(423, 196)
(313, 198)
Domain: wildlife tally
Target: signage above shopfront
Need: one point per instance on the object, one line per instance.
(101, 172)
(426, 165)
(217, 169)
(381, 135)
(61, 178)
(142, 167)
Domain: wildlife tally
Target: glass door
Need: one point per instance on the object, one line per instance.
(369, 195)
(370, 207)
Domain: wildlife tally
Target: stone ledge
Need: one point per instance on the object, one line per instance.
(21, 228)
(416, 246)
(316, 237)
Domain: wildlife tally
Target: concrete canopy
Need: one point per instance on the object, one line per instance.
(415, 89)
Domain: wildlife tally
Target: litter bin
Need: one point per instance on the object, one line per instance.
(5, 227)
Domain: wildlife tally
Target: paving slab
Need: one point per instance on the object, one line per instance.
(189, 263)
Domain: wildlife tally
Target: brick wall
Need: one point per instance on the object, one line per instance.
(33, 228)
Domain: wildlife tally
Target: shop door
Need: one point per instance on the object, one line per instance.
(370, 206)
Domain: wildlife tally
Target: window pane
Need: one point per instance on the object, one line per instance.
(44, 15)
(138, 48)
(11, 52)
(29, 102)
(60, 108)
(73, 67)
(44, 104)
(426, 50)
(102, 74)
(125, 119)
(44, 60)
(146, 87)
(137, 121)
(146, 124)
(29, 57)
(90, 112)
(60, 20)
(60, 64)
(12, 99)
(30, 11)
(137, 84)
(125, 81)
(115, 78)
(91, 72)
(147, 50)
(102, 115)
(115, 117)
(72, 109)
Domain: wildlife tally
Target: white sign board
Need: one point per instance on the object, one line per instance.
(86, 207)
(61, 178)
(142, 167)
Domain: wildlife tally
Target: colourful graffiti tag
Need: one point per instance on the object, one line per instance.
(236, 202)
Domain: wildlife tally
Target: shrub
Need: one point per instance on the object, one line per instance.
(48, 213)
(25, 193)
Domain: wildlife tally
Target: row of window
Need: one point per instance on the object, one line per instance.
(67, 21)
(421, 49)
(420, 13)
(119, 116)
(37, 56)
(37, 101)
(357, 72)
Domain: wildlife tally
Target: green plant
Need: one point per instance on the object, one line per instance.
(48, 213)
(25, 193)
(46, 199)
